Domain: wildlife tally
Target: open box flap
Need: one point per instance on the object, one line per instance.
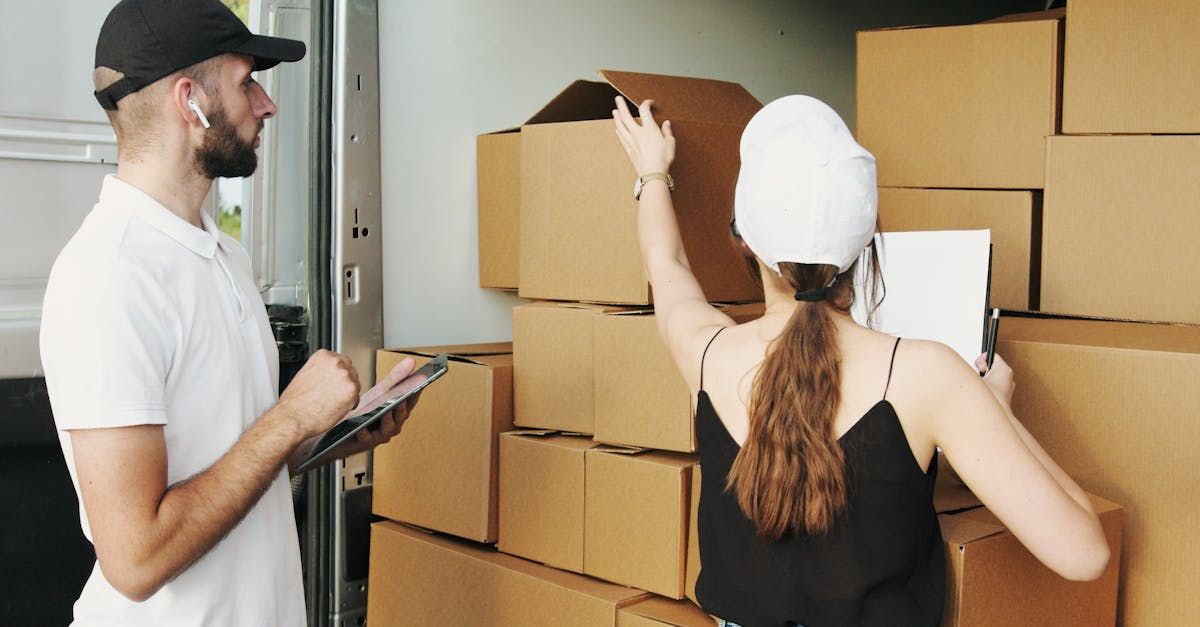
(675, 98)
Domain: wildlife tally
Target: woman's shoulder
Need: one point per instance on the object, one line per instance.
(925, 369)
(870, 343)
(928, 354)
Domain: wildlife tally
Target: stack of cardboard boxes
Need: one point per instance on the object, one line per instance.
(431, 561)
(591, 501)
(1115, 402)
(1079, 154)
(599, 479)
(957, 118)
(1096, 129)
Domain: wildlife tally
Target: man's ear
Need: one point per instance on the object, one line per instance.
(183, 90)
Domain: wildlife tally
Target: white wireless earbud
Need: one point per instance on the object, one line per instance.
(200, 114)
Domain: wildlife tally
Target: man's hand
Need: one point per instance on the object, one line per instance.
(321, 394)
(373, 396)
(384, 430)
(381, 432)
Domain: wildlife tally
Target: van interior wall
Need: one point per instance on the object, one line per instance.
(54, 144)
(452, 70)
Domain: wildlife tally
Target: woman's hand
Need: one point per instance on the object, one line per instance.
(999, 378)
(650, 148)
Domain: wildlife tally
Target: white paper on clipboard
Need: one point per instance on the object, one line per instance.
(937, 287)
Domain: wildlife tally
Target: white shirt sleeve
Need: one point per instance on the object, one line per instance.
(108, 341)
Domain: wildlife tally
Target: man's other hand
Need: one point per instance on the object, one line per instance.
(322, 393)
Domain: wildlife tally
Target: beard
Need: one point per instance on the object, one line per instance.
(224, 154)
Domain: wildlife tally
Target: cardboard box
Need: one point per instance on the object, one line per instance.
(541, 497)
(1122, 221)
(641, 398)
(553, 360)
(991, 578)
(421, 579)
(441, 471)
(960, 106)
(556, 350)
(693, 553)
(1131, 67)
(1014, 217)
(578, 216)
(660, 612)
(635, 518)
(1114, 404)
(498, 179)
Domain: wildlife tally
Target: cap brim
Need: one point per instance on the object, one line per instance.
(271, 51)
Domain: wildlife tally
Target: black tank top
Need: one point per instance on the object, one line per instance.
(881, 564)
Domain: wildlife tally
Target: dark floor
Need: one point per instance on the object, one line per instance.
(44, 558)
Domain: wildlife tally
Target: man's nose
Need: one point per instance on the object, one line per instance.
(264, 107)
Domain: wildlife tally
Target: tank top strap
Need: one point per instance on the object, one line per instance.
(891, 366)
(705, 354)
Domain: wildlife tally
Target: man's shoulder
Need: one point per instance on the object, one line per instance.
(90, 253)
(108, 256)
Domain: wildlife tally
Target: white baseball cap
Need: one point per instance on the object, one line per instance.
(806, 191)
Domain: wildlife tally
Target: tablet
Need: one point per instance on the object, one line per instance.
(346, 429)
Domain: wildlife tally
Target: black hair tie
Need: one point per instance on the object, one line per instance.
(812, 296)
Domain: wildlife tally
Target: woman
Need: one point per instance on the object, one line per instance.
(818, 437)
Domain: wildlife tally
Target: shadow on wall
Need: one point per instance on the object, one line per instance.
(867, 14)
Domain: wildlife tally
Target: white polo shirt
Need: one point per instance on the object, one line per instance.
(150, 320)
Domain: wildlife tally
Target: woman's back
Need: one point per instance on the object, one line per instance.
(865, 363)
(882, 561)
(837, 477)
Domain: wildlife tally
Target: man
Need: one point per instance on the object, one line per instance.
(159, 359)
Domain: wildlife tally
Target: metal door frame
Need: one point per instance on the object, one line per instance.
(348, 316)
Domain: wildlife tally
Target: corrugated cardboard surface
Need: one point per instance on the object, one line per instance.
(553, 361)
(440, 472)
(950, 495)
(498, 178)
(962, 106)
(742, 313)
(1115, 404)
(421, 580)
(641, 399)
(660, 612)
(578, 215)
(1013, 217)
(1122, 222)
(542, 497)
(993, 579)
(1131, 67)
(691, 99)
(635, 530)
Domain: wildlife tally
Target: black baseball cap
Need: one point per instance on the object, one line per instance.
(148, 39)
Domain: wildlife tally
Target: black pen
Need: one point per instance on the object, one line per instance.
(992, 333)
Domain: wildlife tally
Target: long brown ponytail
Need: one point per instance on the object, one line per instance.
(790, 474)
